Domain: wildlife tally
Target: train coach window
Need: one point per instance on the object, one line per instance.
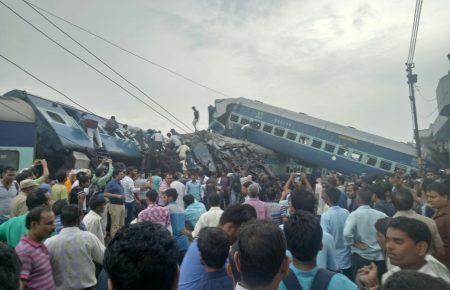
(342, 151)
(316, 144)
(234, 118)
(9, 158)
(372, 161)
(385, 165)
(401, 168)
(291, 136)
(278, 132)
(303, 140)
(329, 148)
(356, 156)
(55, 117)
(245, 121)
(255, 125)
(267, 128)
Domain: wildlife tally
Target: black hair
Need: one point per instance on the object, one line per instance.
(402, 199)
(117, 171)
(333, 194)
(303, 200)
(80, 174)
(23, 175)
(83, 179)
(188, 199)
(379, 190)
(417, 230)
(414, 280)
(303, 235)
(96, 202)
(247, 184)
(262, 249)
(214, 199)
(10, 267)
(382, 225)
(100, 171)
(171, 192)
(58, 205)
(37, 197)
(8, 168)
(61, 175)
(214, 245)
(70, 215)
(438, 187)
(365, 196)
(234, 271)
(237, 214)
(130, 169)
(138, 252)
(152, 195)
(35, 215)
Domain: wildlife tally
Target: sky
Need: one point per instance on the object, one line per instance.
(342, 61)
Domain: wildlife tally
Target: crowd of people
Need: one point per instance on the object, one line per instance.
(118, 228)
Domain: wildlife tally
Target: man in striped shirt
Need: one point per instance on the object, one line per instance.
(36, 272)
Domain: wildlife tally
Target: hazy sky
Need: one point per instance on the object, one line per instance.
(341, 61)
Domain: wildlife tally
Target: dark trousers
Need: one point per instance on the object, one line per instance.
(348, 273)
(358, 262)
(129, 212)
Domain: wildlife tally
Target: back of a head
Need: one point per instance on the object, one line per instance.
(333, 194)
(402, 199)
(261, 251)
(303, 200)
(188, 199)
(37, 197)
(171, 192)
(214, 245)
(416, 230)
(142, 256)
(253, 190)
(152, 195)
(382, 225)
(23, 175)
(96, 201)
(379, 191)
(58, 205)
(238, 214)
(61, 175)
(83, 179)
(303, 235)
(214, 199)
(414, 280)
(10, 267)
(70, 216)
(364, 196)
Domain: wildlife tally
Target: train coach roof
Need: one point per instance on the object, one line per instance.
(16, 110)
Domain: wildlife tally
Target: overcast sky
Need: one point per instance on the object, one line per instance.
(341, 61)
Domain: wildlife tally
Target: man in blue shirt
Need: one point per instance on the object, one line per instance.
(361, 235)
(332, 222)
(192, 211)
(194, 187)
(116, 208)
(306, 201)
(214, 245)
(177, 221)
(192, 270)
(303, 236)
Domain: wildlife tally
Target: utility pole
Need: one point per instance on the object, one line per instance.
(412, 79)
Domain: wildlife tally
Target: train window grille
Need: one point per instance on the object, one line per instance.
(342, 151)
(291, 136)
(9, 158)
(316, 144)
(267, 128)
(234, 118)
(255, 125)
(278, 132)
(329, 148)
(356, 156)
(245, 121)
(55, 117)
(385, 165)
(303, 140)
(372, 161)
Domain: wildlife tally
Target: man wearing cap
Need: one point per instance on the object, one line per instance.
(18, 204)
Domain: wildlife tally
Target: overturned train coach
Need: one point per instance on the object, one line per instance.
(33, 127)
(315, 142)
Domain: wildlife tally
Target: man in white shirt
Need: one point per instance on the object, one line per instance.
(131, 193)
(73, 253)
(180, 188)
(211, 217)
(182, 151)
(93, 219)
